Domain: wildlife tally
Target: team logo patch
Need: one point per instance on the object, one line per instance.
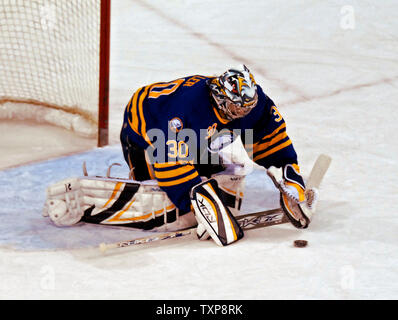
(175, 124)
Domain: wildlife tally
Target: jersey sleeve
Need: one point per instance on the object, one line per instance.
(271, 145)
(177, 180)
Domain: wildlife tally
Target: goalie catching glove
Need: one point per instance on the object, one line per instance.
(297, 202)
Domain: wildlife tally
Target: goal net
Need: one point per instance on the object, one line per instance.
(54, 63)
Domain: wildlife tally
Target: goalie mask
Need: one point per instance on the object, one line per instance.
(234, 92)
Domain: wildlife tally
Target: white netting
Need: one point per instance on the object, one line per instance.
(49, 62)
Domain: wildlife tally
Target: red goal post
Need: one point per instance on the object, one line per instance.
(54, 63)
(103, 104)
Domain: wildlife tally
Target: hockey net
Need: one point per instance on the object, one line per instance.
(54, 61)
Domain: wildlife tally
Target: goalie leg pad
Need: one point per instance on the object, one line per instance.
(215, 217)
(231, 186)
(64, 204)
(110, 201)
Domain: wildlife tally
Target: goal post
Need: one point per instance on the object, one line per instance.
(103, 99)
(54, 64)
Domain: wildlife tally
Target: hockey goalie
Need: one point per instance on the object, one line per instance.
(170, 132)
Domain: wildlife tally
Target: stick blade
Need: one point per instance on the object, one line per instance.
(318, 171)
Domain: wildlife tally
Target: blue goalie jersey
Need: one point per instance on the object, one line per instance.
(175, 122)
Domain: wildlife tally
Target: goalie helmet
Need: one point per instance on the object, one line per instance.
(234, 92)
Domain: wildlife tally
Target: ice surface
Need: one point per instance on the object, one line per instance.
(337, 90)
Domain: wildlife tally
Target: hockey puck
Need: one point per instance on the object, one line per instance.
(300, 243)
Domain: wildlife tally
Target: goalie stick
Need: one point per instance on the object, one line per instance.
(246, 221)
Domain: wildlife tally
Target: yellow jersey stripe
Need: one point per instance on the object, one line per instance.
(166, 164)
(268, 144)
(130, 103)
(173, 173)
(274, 133)
(175, 84)
(134, 124)
(141, 114)
(178, 181)
(273, 150)
(282, 126)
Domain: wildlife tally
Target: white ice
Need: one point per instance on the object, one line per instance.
(331, 66)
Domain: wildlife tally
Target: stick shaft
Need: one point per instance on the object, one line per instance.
(247, 222)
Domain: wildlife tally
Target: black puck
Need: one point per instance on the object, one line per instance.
(300, 243)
